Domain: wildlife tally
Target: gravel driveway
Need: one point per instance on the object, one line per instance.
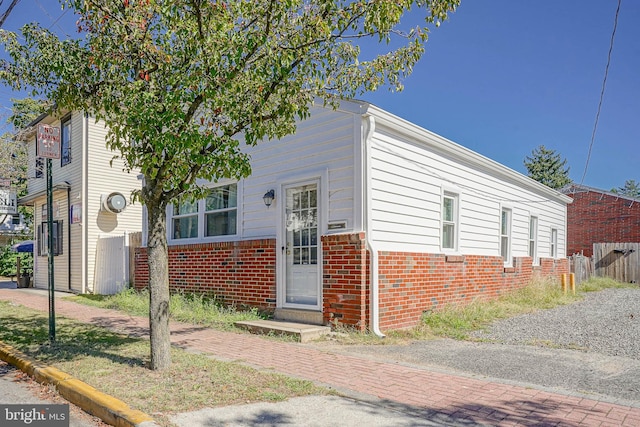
(591, 348)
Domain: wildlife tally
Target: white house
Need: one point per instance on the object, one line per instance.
(89, 224)
(371, 221)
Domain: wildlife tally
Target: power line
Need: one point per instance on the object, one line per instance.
(54, 21)
(604, 84)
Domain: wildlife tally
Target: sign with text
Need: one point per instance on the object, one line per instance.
(34, 415)
(48, 142)
(8, 202)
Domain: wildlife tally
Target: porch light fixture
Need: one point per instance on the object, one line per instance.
(268, 197)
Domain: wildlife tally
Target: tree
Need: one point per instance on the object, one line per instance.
(548, 167)
(6, 13)
(182, 84)
(13, 154)
(631, 188)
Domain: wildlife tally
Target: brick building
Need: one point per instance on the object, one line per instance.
(598, 216)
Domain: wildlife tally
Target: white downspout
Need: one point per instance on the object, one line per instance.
(369, 129)
(84, 200)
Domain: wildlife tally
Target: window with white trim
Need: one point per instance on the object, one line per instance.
(533, 239)
(215, 215)
(554, 243)
(449, 221)
(505, 235)
(184, 224)
(221, 211)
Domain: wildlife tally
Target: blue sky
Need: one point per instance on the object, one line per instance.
(502, 77)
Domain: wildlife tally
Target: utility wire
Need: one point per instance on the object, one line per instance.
(604, 84)
(54, 21)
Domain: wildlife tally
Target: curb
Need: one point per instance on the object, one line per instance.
(109, 409)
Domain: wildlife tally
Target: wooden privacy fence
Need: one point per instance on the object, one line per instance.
(582, 267)
(619, 261)
(135, 241)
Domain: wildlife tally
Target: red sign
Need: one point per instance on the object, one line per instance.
(48, 142)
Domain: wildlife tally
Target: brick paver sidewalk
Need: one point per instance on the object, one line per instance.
(468, 401)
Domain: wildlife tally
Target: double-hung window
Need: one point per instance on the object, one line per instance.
(533, 239)
(505, 235)
(185, 220)
(554, 243)
(215, 215)
(449, 221)
(221, 210)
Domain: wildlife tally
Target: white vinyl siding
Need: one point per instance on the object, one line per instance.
(89, 175)
(61, 261)
(407, 176)
(323, 145)
(103, 179)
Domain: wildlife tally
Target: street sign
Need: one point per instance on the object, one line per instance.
(48, 141)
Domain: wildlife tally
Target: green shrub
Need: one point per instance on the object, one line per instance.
(8, 261)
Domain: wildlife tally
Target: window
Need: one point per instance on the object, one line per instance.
(185, 220)
(65, 141)
(554, 243)
(15, 219)
(449, 220)
(221, 210)
(505, 235)
(217, 213)
(43, 238)
(533, 239)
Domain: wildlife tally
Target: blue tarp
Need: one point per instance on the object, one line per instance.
(26, 246)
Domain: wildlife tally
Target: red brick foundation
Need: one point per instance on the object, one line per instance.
(240, 273)
(345, 284)
(412, 283)
(243, 273)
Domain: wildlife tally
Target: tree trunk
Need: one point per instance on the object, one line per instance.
(158, 287)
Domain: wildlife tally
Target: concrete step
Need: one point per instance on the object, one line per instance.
(303, 332)
(308, 317)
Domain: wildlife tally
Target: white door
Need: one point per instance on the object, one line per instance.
(302, 269)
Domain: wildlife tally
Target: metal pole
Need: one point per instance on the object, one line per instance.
(52, 310)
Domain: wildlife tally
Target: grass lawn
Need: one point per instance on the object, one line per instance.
(117, 365)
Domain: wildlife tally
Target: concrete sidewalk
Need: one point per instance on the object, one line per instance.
(425, 397)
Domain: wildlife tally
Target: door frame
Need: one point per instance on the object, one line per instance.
(319, 178)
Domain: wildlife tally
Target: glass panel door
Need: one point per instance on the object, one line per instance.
(301, 224)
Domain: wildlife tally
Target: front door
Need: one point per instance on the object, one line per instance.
(302, 269)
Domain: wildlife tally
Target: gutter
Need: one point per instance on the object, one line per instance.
(369, 129)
